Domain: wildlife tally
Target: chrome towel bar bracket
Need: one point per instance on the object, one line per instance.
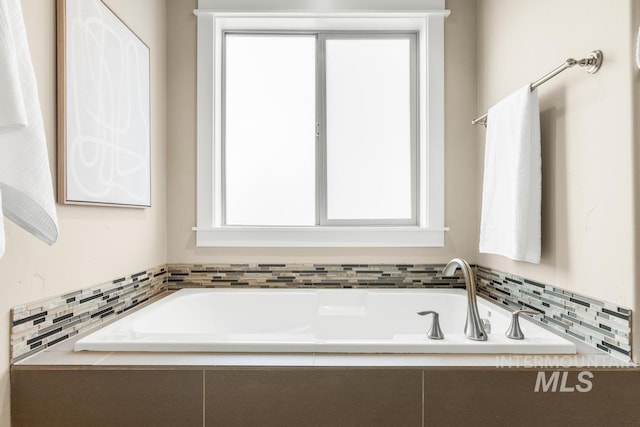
(591, 65)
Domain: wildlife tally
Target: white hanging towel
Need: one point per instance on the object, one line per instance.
(512, 186)
(12, 113)
(26, 191)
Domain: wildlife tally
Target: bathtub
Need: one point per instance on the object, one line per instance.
(315, 320)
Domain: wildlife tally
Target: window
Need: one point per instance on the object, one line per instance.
(320, 131)
(269, 130)
(370, 117)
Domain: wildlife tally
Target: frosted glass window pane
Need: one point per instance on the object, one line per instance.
(269, 144)
(368, 129)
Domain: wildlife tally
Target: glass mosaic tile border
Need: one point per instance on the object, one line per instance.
(311, 275)
(597, 323)
(41, 324)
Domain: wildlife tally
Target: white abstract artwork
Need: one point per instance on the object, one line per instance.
(105, 137)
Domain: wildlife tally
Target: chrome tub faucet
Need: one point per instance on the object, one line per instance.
(474, 327)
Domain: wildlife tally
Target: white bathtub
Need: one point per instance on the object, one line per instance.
(314, 320)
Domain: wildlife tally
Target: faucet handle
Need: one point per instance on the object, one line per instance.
(435, 333)
(515, 332)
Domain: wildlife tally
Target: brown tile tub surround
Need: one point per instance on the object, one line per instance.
(313, 397)
(506, 397)
(106, 397)
(332, 397)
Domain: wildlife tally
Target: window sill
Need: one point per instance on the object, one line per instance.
(319, 237)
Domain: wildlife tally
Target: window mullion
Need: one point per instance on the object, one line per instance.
(415, 132)
(321, 134)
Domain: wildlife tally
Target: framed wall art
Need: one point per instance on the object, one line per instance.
(103, 108)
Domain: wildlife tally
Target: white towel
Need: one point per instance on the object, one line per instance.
(12, 112)
(25, 178)
(512, 186)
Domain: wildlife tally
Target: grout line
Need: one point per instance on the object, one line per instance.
(204, 391)
(423, 398)
(102, 358)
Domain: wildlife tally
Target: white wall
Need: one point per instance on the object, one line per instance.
(587, 126)
(460, 204)
(96, 244)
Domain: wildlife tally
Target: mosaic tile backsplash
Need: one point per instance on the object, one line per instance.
(41, 324)
(310, 275)
(597, 323)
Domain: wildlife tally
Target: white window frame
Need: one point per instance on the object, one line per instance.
(322, 199)
(429, 232)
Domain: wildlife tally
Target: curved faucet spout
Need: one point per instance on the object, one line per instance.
(473, 328)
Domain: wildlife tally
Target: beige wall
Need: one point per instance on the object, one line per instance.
(95, 244)
(587, 135)
(460, 207)
(635, 23)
